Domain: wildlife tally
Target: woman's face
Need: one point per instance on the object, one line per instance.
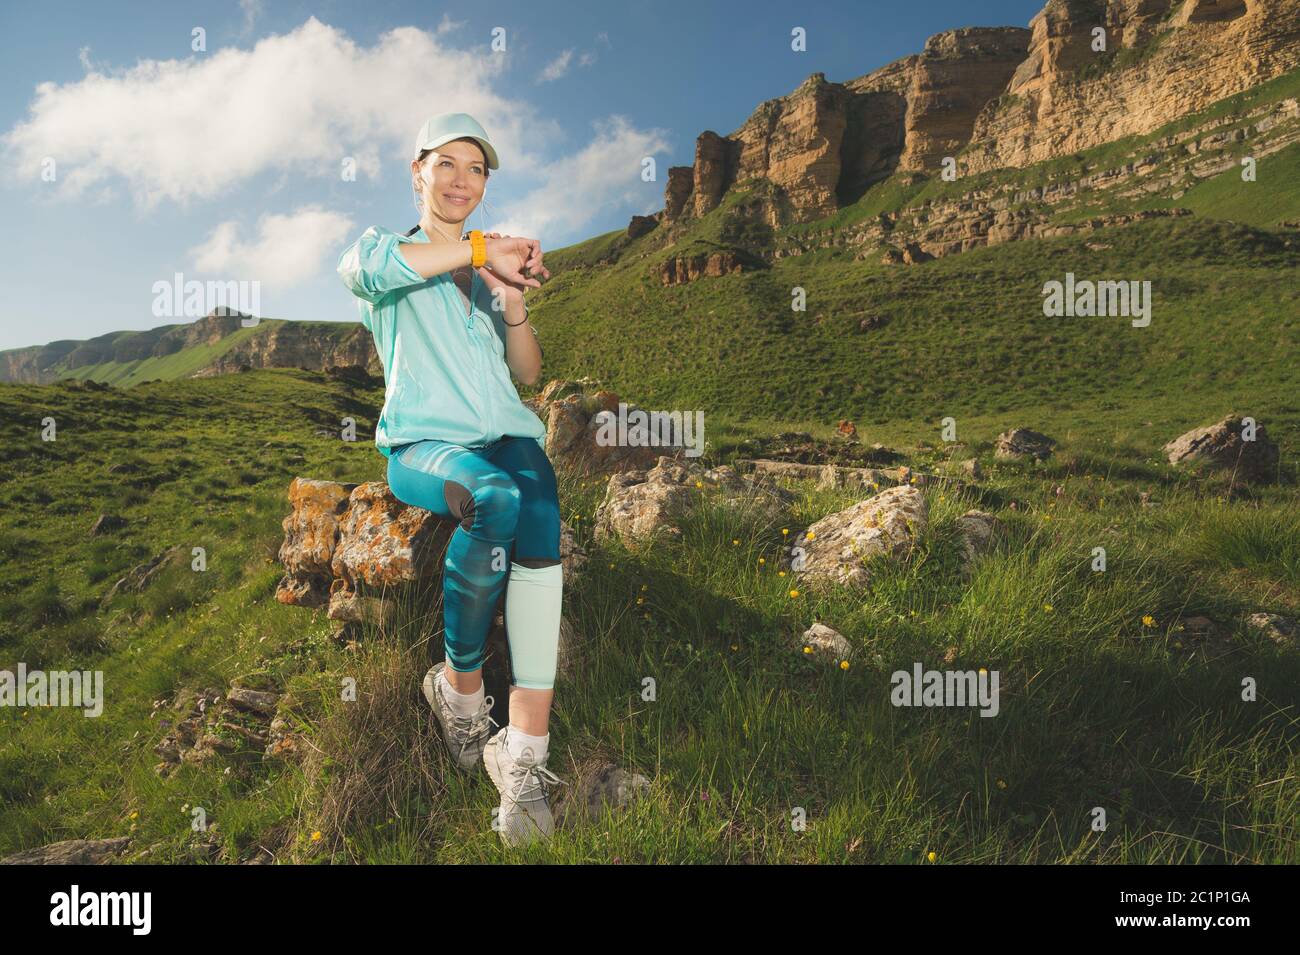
(451, 179)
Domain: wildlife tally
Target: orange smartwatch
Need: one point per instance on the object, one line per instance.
(478, 246)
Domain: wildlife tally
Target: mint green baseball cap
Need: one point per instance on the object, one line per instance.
(445, 127)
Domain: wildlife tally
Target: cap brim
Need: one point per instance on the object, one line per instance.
(486, 147)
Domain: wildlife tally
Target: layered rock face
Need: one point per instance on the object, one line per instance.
(827, 138)
(1001, 97)
(1163, 59)
(298, 345)
(957, 75)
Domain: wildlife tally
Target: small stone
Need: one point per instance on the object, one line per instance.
(827, 643)
(1281, 630)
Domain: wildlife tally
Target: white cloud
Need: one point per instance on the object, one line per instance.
(298, 103)
(574, 189)
(252, 10)
(292, 108)
(556, 68)
(447, 24)
(285, 251)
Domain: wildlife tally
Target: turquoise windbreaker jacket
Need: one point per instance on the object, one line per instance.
(445, 373)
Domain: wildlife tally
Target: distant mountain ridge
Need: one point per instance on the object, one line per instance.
(213, 345)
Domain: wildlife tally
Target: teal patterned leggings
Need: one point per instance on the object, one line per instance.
(504, 497)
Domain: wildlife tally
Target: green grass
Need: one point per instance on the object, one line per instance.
(1272, 198)
(1097, 707)
(966, 336)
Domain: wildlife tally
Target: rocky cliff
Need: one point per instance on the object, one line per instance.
(1162, 60)
(826, 142)
(1086, 72)
(301, 345)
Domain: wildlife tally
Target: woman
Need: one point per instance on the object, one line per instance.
(446, 309)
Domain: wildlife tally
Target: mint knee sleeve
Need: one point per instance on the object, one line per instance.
(533, 623)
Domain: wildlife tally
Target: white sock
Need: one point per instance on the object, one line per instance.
(517, 741)
(462, 704)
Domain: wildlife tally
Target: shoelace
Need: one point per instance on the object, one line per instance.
(539, 776)
(476, 725)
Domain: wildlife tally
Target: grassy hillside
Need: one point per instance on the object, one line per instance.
(1100, 707)
(965, 335)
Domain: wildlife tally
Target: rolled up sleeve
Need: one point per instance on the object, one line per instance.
(371, 267)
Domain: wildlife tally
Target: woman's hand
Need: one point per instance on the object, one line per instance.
(513, 261)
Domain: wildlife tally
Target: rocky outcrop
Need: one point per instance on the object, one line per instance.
(1228, 445)
(682, 269)
(301, 345)
(578, 420)
(992, 98)
(198, 727)
(959, 73)
(1163, 60)
(311, 532)
(825, 140)
(643, 504)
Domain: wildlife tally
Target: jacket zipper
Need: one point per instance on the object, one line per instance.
(482, 364)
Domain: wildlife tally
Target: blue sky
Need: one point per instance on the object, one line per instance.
(131, 157)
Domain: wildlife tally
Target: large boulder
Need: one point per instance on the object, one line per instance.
(835, 548)
(311, 532)
(384, 542)
(1227, 445)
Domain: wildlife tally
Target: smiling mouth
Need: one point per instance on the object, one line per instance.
(457, 200)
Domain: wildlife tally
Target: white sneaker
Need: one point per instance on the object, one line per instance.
(524, 784)
(465, 736)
